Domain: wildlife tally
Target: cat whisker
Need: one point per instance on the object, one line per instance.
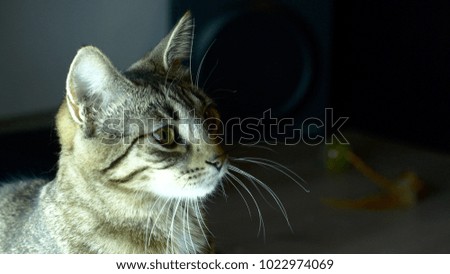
(187, 237)
(261, 221)
(170, 222)
(222, 189)
(183, 222)
(200, 220)
(167, 220)
(147, 236)
(276, 166)
(197, 77)
(257, 146)
(256, 187)
(250, 177)
(157, 218)
(240, 193)
(172, 228)
(187, 204)
(210, 74)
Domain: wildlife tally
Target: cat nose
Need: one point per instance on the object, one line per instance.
(217, 162)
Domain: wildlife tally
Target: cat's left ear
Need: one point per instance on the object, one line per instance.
(172, 50)
(92, 82)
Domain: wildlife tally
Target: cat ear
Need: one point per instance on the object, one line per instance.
(173, 49)
(179, 42)
(92, 79)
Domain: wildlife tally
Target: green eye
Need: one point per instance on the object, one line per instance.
(165, 136)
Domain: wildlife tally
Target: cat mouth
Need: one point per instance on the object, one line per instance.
(201, 188)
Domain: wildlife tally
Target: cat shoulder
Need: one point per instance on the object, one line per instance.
(19, 192)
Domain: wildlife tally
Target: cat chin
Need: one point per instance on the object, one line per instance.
(175, 191)
(166, 185)
(186, 193)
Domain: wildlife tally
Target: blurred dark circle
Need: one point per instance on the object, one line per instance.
(257, 60)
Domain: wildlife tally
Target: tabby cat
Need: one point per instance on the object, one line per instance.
(137, 160)
(140, 153)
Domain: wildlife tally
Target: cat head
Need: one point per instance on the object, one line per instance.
(148, 129)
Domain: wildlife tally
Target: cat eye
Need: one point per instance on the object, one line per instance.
(165, 136)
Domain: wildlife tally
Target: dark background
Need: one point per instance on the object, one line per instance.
(385, 64)
(391, 68)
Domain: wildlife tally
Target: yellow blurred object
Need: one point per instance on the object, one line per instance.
(400, 193)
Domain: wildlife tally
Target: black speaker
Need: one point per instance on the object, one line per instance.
(262, 58)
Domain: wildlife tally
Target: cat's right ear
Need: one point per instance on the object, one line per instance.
(92, 81)
(172, 50)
